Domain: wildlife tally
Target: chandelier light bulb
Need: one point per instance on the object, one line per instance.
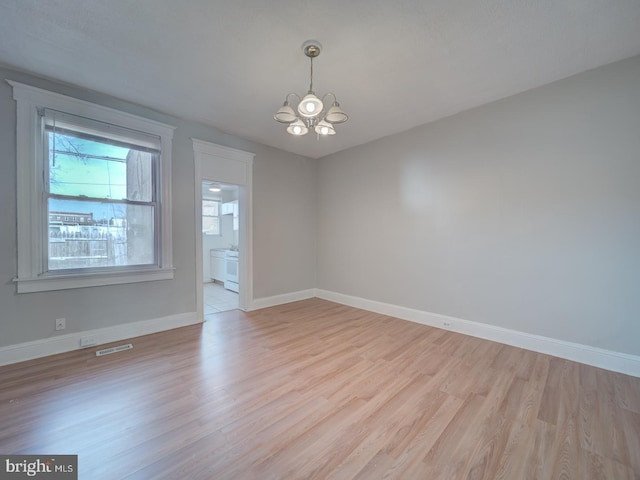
(324, 128)
(297, 128)
(310, 106)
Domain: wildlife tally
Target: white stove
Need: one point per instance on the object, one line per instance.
(231, 271)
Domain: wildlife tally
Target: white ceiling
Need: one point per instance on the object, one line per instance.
(393, 64)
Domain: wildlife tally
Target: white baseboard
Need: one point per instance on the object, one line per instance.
(71, 341)
(597, 357)
(265, 302)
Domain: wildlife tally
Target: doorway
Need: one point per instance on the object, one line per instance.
(233, 169)
(220, 252)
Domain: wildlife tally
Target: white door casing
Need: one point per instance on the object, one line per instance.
(226, 165)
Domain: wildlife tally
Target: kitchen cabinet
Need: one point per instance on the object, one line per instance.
(231, 208)
(218, 265)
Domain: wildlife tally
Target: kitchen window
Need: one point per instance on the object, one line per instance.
(93, 194)
(211, 217)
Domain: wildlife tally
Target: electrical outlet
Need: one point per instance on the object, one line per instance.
(446, 324)
(61, 323)
(87, 341)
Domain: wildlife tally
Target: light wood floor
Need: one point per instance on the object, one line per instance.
(318, 390)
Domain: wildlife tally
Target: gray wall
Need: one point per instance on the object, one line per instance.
(284, 232)
(524, 213)
(284, 222)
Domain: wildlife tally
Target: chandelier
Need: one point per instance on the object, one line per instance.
(310, 111)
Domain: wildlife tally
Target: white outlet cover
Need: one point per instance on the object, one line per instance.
(87, 341)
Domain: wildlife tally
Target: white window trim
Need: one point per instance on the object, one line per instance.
(30, 236)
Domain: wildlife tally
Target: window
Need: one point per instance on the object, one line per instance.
(93, 194)
(102, 183)
(211, 217)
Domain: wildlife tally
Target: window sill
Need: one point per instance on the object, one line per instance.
(65, 282)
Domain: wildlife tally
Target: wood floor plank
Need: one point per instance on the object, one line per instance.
(410, 461)
(315, 389)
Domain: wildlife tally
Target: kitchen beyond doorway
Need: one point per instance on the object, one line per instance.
(220, 252)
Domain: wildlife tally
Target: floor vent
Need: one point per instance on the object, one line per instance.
(107, 351)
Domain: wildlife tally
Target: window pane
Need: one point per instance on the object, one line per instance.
(82, 167)
(210, 208)
(210, 217)
(84, 234)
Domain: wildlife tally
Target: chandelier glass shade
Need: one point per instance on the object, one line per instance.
(310, 111)
(297, 127)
